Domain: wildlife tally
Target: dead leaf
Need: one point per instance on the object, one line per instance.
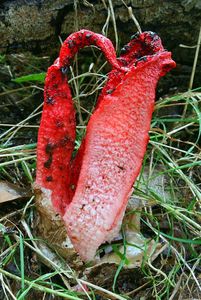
(9, 192)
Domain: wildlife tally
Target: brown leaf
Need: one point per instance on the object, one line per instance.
(9, 192)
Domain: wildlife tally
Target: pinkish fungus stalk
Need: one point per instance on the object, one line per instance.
(91, 191)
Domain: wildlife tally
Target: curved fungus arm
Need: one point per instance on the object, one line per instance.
(57, 130)
(82, 38)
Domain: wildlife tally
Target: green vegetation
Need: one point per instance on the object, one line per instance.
(168, 187)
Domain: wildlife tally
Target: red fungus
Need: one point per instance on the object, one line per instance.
(109, 159)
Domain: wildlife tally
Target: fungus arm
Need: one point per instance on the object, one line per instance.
(83, 38)
(57, 130)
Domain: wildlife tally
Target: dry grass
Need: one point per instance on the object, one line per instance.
(173, 156)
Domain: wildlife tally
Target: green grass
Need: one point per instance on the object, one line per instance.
(170, 215)
(176, 159)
